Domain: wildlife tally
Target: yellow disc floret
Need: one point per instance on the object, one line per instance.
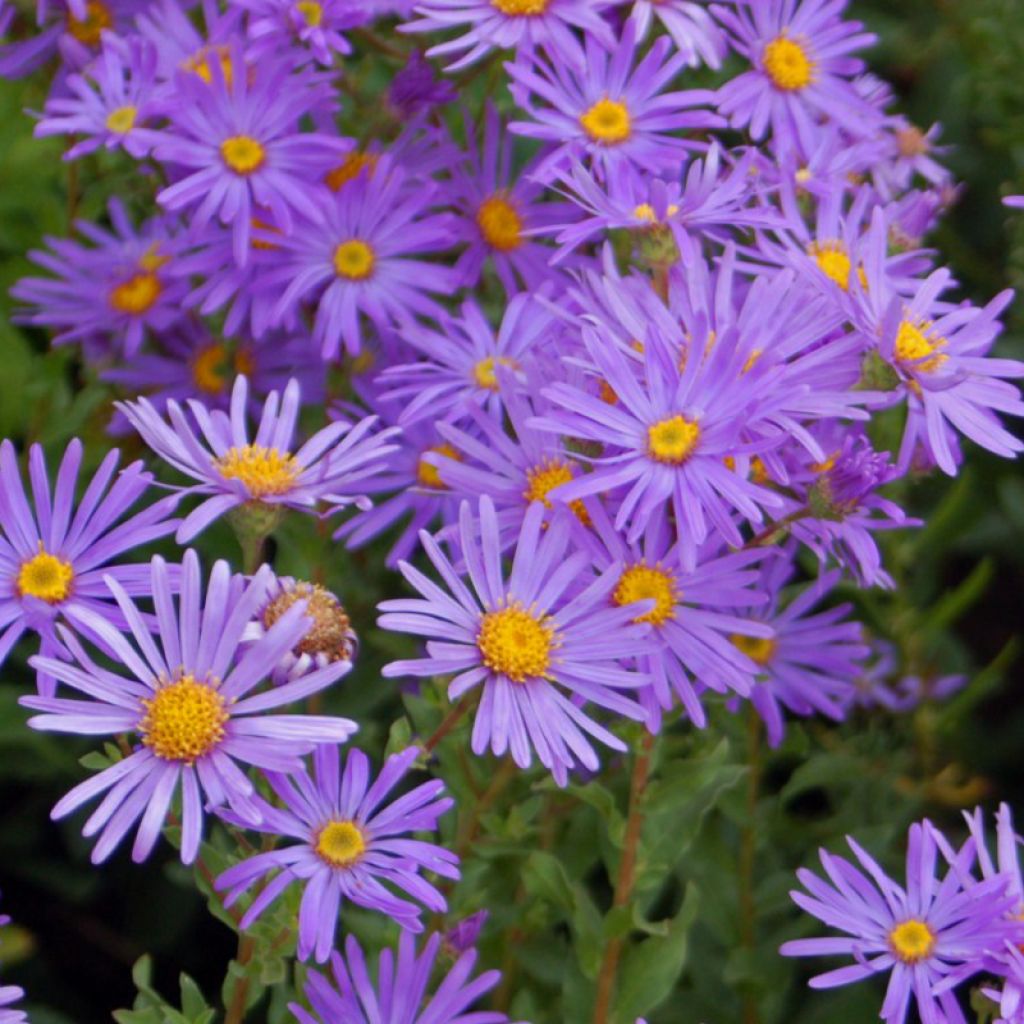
(758, 649)
(184, 720)
(340, 843)
(430, 476)
(354, 260)
(485, 371)
(121, 120)
(672, 440)
(264, 471)
(607, 122)
(521, 8)
(914, 346)
(46, 577)
(787, 64)
(136, 295)
(312, 13)
(833, 261)
(516, 642)
(912, 941)
(643, 582)
(90, 29)
(349, 169)
(500, 224)
(199, 63)
(546, 477)
(243, 154)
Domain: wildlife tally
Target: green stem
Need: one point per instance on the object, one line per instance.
(748, 848)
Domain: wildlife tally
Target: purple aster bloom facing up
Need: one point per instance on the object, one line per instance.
(315, 27)
(357, 255)
(350, 847)
(118, 288)
(192, 703)
(525, 640)
(603, 109)
(417, 88)
(233, 470)
(459, 364)
(801, 71)
(110, 103)
(512, 24)
(696, 34)
(55, 553)
(940, 357)
(810, 664)
(502, 215)
(331, 638)
(919, 935)
(400, 993)
(240, 143)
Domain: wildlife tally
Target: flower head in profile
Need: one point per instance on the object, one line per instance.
(409, 989)
(919, 935)
(57, 547)
(801, 71)
(350, 846)
(191, 704)
(540, 643)
(116, 289)
(232, 470)
(240, 143)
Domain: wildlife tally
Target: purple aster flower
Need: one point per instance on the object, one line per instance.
(118, 288)
(525, 640)
(604, 109)
(696, 35)
(801, 71)
(512, 24)
(417, 88)
(458, 365)
(315, 28)
(465, 934)
(919, 934)
(357, 254)
(331, 638)
(232, 471)
(110, 103)
(241, 146)
(399, 995)
(56, 553)
(810, 665)
(913, 155)
(940, 357)
(502, 211)
(701, 638)
(350, 847)
(192, 704)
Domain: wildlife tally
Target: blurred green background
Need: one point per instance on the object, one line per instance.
(79, 930)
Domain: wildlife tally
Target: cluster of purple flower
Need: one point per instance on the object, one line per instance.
(601, 336)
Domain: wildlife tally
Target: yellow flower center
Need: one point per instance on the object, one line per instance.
(521, 8)
(46, 577)
(912, 941)
(122, 120)
(430, 476)
(757, 648)
(485, 373)
(184, 720)
(500, 224)
(787, 64)
(546, 477)
(353, 164)
(243, 154)
(264, 471)
(672, 440)
(516, 643)
(911, 141)
(200, 63)
(607, 122)
(833, 262)
(312, 13)
(90, 30)
(210, 367)
(648, 583)
(329, 634)
(354, 260)
(340, 843)
(645, 212)
(136, 295)
(914, 346)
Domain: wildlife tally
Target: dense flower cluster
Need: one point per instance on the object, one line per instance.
(605, 360)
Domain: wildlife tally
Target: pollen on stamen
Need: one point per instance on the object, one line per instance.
(516, 642)
(354, 260)
(607, 122)
(673, 440)
(121, 120)
(544, 478)
(340, 843)
(45, 577)
(136, 295)
(787, 64)
(521, 8)
(428, 475)
(642, 582)
(184, 720)
(500, 224)
(912, 941)
(915, 348)
(264, 471)
(243, 154)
